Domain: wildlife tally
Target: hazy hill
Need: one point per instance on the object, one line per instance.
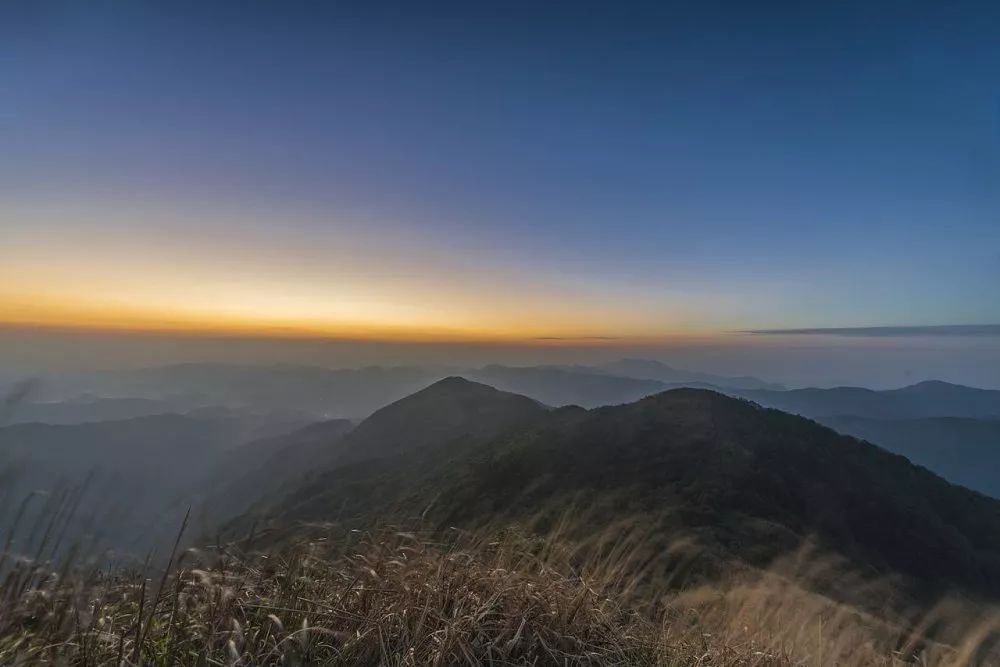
(133, 469)
(94, 409)
(322, 392)
(335, 393)
(925, 399)
(952, 429)
(165, 445)
(749, 482)
(649, 369)
(963, 451)
(566, 386)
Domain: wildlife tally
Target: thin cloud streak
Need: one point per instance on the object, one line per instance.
(879, 332)
(571, 338)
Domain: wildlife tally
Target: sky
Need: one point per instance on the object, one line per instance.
(625, 174)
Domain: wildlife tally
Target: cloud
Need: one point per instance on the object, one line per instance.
(934, 330)
(568, 338)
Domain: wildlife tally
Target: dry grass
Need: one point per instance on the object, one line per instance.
(394, 598)
(391, 600)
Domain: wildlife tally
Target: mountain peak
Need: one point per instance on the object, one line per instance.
(692, 396)
(458, 388)
(458, 382)
(450, 408)
(939, 389)
(933, 385)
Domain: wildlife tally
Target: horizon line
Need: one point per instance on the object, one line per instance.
(279, 333)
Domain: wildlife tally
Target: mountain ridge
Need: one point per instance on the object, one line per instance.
(752, 482)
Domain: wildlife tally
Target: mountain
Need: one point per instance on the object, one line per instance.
(452, 410)
(326, 393)
(963, 451)
(649, 369)
(566, 386)
(926, 399)
(167, 445)
(94, 409)
(749, 483)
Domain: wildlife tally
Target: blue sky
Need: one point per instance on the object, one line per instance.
(642, 169)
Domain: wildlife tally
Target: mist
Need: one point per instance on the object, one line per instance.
(796, 360)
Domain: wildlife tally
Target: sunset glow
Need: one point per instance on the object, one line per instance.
(506, 195)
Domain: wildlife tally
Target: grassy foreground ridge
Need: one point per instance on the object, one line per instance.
(398, 598)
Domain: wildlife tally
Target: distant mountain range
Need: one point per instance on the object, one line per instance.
(690, 453)
(127, 472)
(356, 393)
(959, 451)
(320, 392)
(648, 369)
(749, 483)
(925, 399)
(334, 393)
(963, 451)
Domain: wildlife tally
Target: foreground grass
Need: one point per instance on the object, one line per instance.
(394, 598)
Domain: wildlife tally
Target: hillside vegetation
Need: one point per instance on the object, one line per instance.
(396, 598)
(748, 484)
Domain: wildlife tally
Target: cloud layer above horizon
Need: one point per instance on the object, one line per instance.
(958, 330)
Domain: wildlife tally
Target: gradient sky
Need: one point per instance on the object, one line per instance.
(499, 171)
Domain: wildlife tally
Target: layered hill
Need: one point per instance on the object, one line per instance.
(964, 451)
(114, 476)
(922, 400)
(749, 483)
(335, 393)
(650, 369)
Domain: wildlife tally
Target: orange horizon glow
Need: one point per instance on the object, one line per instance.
(370, 336)
(173, 275)
(136, 321)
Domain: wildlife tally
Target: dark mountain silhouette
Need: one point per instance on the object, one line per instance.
(751, 483)
(452, 410)
(963, 451)
(926, 399)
